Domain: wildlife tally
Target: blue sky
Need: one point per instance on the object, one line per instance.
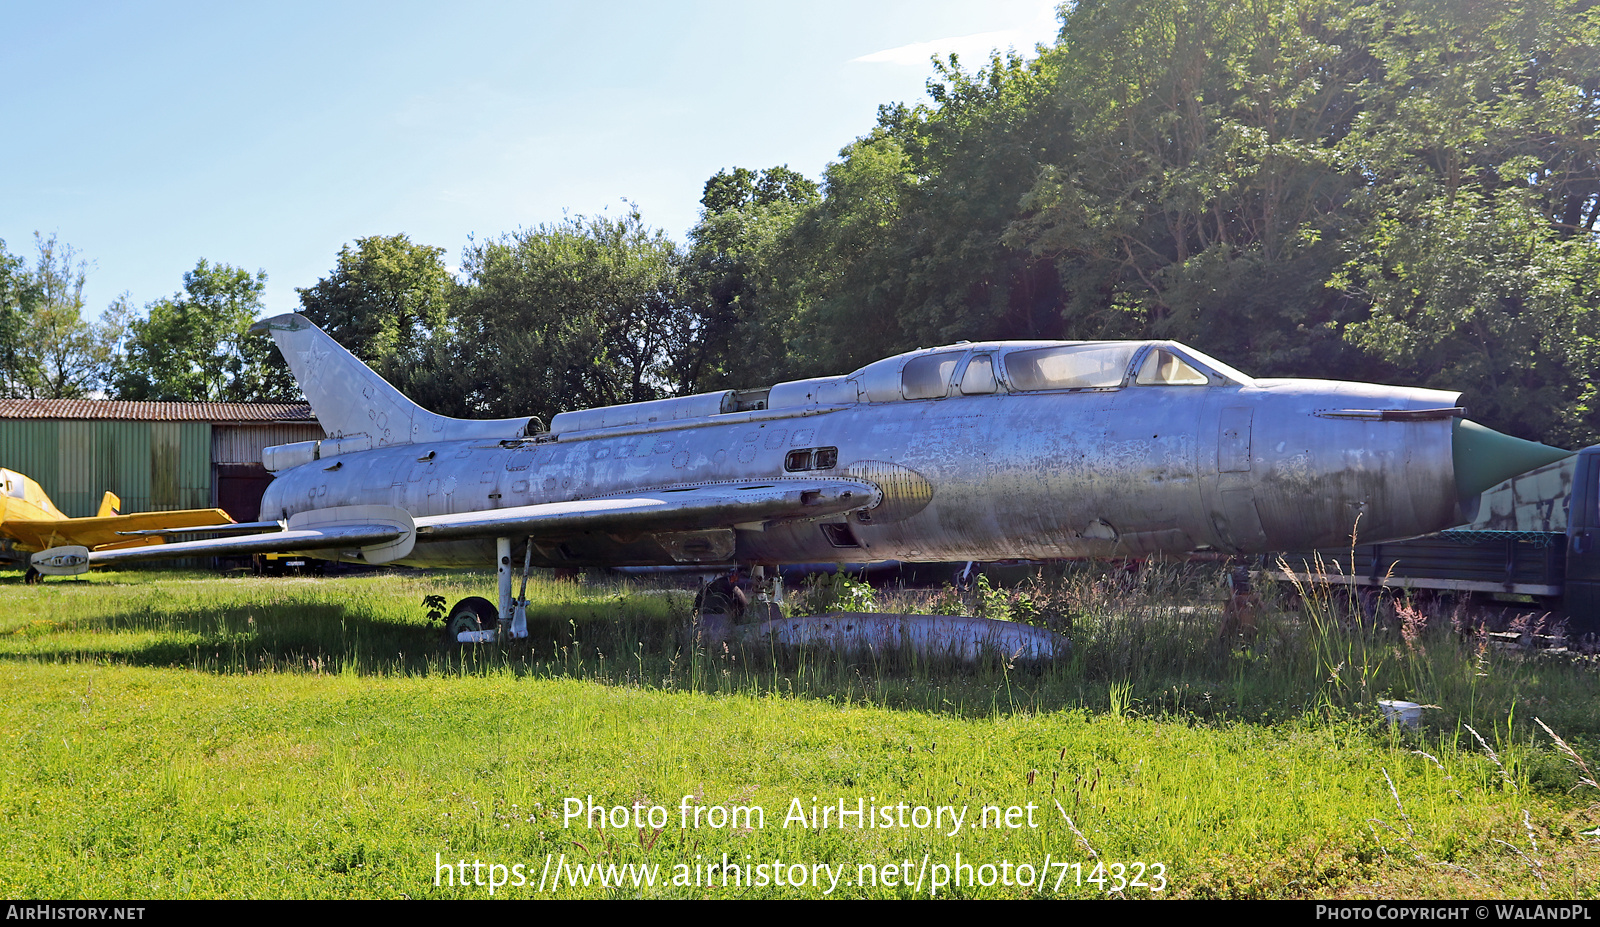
(148, 136)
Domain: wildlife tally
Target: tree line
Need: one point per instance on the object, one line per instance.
(1403, 191)
(189, 346)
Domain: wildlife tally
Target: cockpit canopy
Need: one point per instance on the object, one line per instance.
(1025, 367)
(934, 373)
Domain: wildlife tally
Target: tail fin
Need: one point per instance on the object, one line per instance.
(110, 504)
(349, 399)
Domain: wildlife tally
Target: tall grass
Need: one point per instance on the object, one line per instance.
(192, 736)
(1158, 634)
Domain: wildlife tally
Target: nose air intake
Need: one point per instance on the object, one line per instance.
(1484, 457)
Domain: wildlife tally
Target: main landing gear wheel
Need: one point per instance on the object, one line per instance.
(474, 613)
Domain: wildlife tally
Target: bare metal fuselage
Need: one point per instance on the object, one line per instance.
(1126, 471)
(984, 451)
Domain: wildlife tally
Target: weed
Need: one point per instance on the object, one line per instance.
(838, 592)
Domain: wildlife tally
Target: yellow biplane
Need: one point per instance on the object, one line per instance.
(30, 522)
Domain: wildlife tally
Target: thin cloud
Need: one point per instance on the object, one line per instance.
(976, 46)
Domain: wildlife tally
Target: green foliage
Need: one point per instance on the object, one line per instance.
(581, 313)
(737, 280)
(15, 298)
(742, 188)
(1169, 169)
(1025, 604)
(388, 301)
(970, 159)
(47, 350)
(62, 356)
(1475, 238)
(1404, 190)
(193, 346)
(836, 592)
(905, 247)
(848, 291)
(1205, 204)
(1477, 291)
(947, 601)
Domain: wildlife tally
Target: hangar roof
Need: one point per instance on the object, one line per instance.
(217, 413)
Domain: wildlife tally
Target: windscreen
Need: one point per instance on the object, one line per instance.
(928, 377)
(1074, 366)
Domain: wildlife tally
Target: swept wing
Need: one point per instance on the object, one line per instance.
(383, 534)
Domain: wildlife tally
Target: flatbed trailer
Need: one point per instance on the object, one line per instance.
(1559, 570)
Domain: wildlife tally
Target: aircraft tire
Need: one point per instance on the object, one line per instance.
(474, 613)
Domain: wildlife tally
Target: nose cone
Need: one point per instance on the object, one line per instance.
(1484, 457)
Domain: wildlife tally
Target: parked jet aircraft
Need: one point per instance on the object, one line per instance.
(966, 452)
(30, 522)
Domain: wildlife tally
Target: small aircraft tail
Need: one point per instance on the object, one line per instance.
(350, 400)
(110, 504)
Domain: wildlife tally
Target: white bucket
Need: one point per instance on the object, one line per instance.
(1407, 713)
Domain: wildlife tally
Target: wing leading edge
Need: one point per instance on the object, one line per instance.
(715, 505)
(382, 534)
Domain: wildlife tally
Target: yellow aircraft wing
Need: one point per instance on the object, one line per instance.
(101, 533)
(31, 520)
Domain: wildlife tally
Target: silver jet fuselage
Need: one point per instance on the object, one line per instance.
(980, 452)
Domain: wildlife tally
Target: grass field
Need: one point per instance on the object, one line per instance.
(186, 736)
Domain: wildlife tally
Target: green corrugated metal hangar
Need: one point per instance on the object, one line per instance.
(155, 455)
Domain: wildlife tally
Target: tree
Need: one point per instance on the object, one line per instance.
(1402, 190)
(49, 351)
(63, 361)
(194, 346)
(1474, 243)
(389, 302)
(16, 299)
(742, 188)
(1205, 198)
(580, 313)
(735, 276)
(852, 281)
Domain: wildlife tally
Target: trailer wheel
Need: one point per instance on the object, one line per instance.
(474, 613)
